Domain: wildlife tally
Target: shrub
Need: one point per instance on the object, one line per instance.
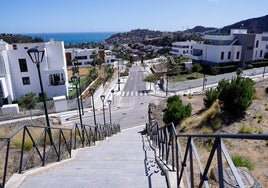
(216, 124)
(211, 112)
(211, 96)
(236, 95)
(207, 130)
(245, 130)
(176, 111)
(256, 96)
(250, 66)
(242, 162)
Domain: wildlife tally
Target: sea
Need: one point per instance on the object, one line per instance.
(73, 38)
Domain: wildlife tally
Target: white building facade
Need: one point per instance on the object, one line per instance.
(19, 76)
(183, 49)
(238, 48)
(109, 58)
(84, 57)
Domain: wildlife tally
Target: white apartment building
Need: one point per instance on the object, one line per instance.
(19, 75)
(109, 58)
(84, 57)
(238, 47)
(183, 49)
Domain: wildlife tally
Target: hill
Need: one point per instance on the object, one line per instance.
(201, 29)
(253, 25)
(17, 38)
(136, 35)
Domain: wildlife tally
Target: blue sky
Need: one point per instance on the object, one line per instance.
(44, 16)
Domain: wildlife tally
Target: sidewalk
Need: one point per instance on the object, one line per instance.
(125, 160)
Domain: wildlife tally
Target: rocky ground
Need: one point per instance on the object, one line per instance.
(256, 119)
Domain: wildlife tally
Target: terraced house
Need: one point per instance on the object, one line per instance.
(19, 76)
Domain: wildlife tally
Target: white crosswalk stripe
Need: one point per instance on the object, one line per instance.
(134, 93)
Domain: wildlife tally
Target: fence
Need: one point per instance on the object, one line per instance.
(185, 160)
(39, 109)
(32, 146)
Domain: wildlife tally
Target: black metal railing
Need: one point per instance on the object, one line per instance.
(31, 146)
(186, 161)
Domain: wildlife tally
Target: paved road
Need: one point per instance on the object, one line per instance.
(122, 161)
(130, 104)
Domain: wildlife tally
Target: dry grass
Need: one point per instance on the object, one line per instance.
(255, 120)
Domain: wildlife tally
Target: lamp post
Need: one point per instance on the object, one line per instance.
(102, 99)
(167, 86)
(75, 80)
(112, 91)
(109, 102)
(92, 91)
(204, 79)
(37, 56)
(76, 65)
(118, 77)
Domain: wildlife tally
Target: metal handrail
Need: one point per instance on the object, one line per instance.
(166, 140)
(43, 151)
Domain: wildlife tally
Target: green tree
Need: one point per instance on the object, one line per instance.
(91, 76)
(239, 71)
(197, 67)
(236, 95)
(176, 111)
(151, 78)
(75, 68)
(210, 97)
(28, 101)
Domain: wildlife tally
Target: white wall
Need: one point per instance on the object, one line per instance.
(212, 53)
(54, 62)
(261, 47)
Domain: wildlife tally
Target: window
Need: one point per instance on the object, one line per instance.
(222, 55)
(26, 81)
(1, 91)
(15, 47)
(261, 53)
(56, 79)
(80, 57)
(237, 55)
(23, 65)
(229, 55)
(197, 52)
(264, 39)
(257, 44)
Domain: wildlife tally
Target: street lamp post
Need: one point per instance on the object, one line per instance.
(37, 56)
(167, 86)
(75, 80)
(204, 80)
(92, 91)
(109, 102)
(76, 65)
(102, 99)
(112, 91)
(118, 77)
(80, 94)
